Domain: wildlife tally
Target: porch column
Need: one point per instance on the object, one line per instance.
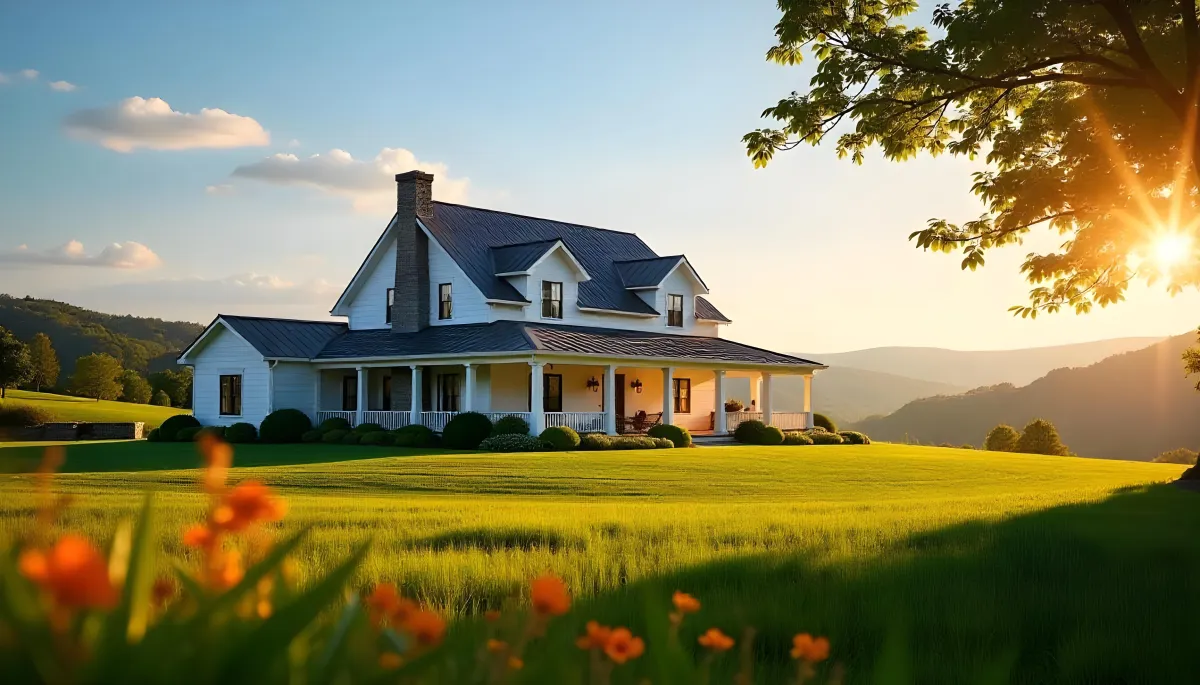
(469, 390)
(414, 415)
(808, 400)
(755, 395)
(668, 395)
(720, 422)
(766, 398)
(360, 406)
(610, 399)
(537, 406)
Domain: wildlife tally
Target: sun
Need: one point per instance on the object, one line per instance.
(1172, 249)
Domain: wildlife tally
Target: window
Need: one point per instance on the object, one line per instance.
(387, 393)
(231, 395)
(349, 393)
(391, 300)
(552, 392)
(445, 302)
(447, 392)
(683, 395)
(552, 300)
(675, 311)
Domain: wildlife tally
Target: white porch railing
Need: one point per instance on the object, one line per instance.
(325, 415)
(390, 420)
(791, 420)
(495, 416)
(580, 421)
(734, 418)
(437, 420)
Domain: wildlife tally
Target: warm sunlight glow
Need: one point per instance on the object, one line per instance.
(1172, 249)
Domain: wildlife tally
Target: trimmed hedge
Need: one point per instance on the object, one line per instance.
(757, 433)
(187, 434)
(825, 438)
(174, 424)
(242, 432)
(154, 435)
(217, 432)
(599, 441)
(664, 443)
(380, 438)
(822, 421)
(284, 425)
(415, 435)
(854, 438)
(351, 438)
(364, 428)
(510, 425)
(678, 435)
(796, 438)
(466, 430)
(335, 435)
(313, 435)
(595, 441)
(560, 437)
(25, 416)
(511, 442)
(335, 423)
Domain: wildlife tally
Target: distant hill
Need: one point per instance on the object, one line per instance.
(1129, 406)
(975, 369)
(146, 345)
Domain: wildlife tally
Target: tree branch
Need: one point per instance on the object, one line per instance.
(1137, 51)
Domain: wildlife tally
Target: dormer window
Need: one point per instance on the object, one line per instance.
(675, 311)
(552, 300)
(445, 302)
(391, 300)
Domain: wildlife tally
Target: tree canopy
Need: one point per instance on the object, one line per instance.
(15, 367)
(134, 388)
(1086, 111)
(45, 362)
(97, 376)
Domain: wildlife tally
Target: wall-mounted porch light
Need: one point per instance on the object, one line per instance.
(593, 384)
(636, 384)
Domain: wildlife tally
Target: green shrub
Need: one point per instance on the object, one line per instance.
(595, 441)
(242, 432)
(1002, 438)
(364, 428)
(966, 446)
(747, 432)
(678, 435)
(314, 435)
(632, 442)
(796, 438)
(1177, 456)
(1040, 437)
(351, 438)
(161, 399)
(187, 434)
(854, 438)
(770, 435)
(664, 443)
(284, 425)
(172, 425)
(466, 430)
(334, 436)
(415, 435)
(511, 425)
(381, 438)
(511, 442)
(154, 435)
(23, 416)
(217, 432)
(335, 423)
(820, 420)
(825, 438)
(560, 437)
(1192, 473)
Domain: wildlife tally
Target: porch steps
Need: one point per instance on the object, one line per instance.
(713, 440)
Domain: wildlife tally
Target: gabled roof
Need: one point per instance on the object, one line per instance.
(517, 260)
(276, 338)
(645, 274)
(468, 235)
(705, 310)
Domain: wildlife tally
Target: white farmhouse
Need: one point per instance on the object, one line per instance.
(461, 309)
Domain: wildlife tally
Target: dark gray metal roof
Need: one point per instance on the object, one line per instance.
(646, 273)
(706, 310)
(514, 258)
(468, 234)
(285, 338)
(523, 336)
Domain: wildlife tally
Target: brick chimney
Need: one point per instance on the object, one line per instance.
(414, 198)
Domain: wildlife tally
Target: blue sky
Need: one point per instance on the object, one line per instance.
(621, 114)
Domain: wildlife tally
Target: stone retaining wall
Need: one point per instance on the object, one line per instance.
(78, 430)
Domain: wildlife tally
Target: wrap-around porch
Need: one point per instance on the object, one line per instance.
(588, 397)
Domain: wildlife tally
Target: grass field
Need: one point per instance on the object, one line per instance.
(67, 408)
(923, 565)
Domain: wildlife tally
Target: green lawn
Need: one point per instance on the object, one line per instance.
(67, 408)
(923, 565)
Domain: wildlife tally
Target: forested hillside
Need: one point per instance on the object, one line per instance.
(145, 345)
(1129, 406)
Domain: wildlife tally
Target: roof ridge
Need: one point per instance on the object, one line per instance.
(275, 318)
(527, 242)
(650, 259)
(537, 218)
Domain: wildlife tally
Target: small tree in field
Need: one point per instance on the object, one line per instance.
(97, 376)
(134, 388)
(1040, 437)
(161, 399)
(1002, 438)
(15, 367)
(1191, 361)
(45, 362)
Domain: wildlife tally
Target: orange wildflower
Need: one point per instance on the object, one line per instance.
(74, 572)
(162, 591)
(549, 596)
(497, 646)
(224, 569)
(807, 648)
(623, 646)
(390, 660)
(199, 536)
(596, 638)
(515, 664)
(491, 616)
(715, 640)
(218, 456)
(248, 502)
(685, 603)
(426, 626)
(387, 606)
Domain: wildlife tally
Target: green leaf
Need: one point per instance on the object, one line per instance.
(331, 656)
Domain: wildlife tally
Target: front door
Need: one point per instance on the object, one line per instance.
(619, 400)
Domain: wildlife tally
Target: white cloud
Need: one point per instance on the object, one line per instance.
(30, 74)
(127, 255)
(62, 86)
(220, 189)
(293, 143)
(151, 123)
(370, 184)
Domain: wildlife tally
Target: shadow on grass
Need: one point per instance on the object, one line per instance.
(1105, 592)
(141, 455)
(499, 539)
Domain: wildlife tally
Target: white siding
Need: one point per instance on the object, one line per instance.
(368, 308)
(469, 304)
(294, 386)
(224, 353)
